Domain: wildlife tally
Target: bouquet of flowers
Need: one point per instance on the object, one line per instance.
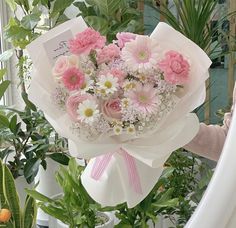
(125, 104)
(125, 87)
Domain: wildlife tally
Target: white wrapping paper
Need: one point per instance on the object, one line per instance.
(150, 151)
(218, 205)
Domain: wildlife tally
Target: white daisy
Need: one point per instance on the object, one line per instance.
(88, 111)
(117, 129)
(109, 83)
(131, 129)
(87, 85)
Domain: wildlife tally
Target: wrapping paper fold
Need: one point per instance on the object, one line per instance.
(150, 151)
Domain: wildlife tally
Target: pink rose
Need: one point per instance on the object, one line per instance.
(60, 66)
(124, 37)
(175, 68)
(72, 105)
(86, 41)
(112, 109)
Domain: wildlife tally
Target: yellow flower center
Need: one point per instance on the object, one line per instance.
(142, 55)
(130, 130)
(108, 84)
(88, 112)
(143, 98)
(125, 103)
(73, 78)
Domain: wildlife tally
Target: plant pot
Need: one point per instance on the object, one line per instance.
(21, 185)
(107, 215)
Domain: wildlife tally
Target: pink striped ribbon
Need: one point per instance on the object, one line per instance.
(103, 161)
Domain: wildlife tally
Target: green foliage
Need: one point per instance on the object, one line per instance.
(111, 16)
(74, 207)
(27, 134)
(4, 83)
(10, 200)
(193, 20)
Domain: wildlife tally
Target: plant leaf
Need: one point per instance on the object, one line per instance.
(4, 121)
(60, 158)
(30, 21)
(3, 87)
(31, 167)
(11, 4)
(6, 55)
(60, 6)
(12, 196)
(108, 7)
(30, 211)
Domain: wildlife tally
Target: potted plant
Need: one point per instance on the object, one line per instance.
(74, 207)
(11, 214)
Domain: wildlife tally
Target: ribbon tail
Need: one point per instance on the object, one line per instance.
(100, 165)
(134, 177)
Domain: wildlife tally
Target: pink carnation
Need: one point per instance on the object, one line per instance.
(73, 78)
(124, 37)
(118, 74)
(108, 53)
(175, 67)
(112, 109)
(72, 105)
(86, 41)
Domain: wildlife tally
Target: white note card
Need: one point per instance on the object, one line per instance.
(58, 46)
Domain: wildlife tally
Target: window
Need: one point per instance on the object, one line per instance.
(4, 46)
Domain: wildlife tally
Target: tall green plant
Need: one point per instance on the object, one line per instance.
(192, 19)
(75, 207)
(20, 218)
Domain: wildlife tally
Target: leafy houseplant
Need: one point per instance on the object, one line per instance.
(111, 16)
(75, 207)
(10, 202)
(28, 136)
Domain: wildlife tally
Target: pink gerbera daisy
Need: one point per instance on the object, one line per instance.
(144, 98)
(141, 54)
(86, 41)
(73, 79)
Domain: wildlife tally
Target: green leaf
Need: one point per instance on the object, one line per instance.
(6, 55)
(60, 158)
(3, 87)
(12, 196)
(30, 211)
(108, 7)
(98, 23)
(28, 103)
(38, 196)
(12, 124)
(11, 4)
(4, 120)
(2, 195)
(60, 6)
(31, 167)
(30, 21)
(2, 73)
